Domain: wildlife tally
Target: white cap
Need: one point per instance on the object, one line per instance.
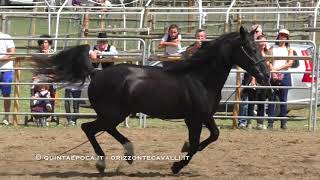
(284, 31)
(256, 27)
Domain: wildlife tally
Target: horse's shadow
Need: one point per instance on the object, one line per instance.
(71, 174)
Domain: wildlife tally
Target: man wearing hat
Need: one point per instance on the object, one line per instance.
(102, 49)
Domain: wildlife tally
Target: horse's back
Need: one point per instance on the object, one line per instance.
(140, 89)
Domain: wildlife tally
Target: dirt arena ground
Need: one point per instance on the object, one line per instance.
(238, 154)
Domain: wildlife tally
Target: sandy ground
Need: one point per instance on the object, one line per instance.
(238, 154)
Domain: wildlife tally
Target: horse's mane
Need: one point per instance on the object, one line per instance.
(208, 54)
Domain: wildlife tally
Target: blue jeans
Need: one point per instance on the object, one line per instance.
(248, 109)
(283, 97)
(72, 94)
(243, 111)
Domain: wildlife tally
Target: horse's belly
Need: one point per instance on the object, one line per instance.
(160, 106)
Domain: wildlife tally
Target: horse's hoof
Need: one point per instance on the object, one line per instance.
(129, 158)
(100, 168)
(176, 167)
(101, 165)
(128, 152)
(185, 147)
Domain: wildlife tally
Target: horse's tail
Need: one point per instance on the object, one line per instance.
(71, 65)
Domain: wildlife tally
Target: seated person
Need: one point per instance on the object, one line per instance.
(42, 91)
(102, 48)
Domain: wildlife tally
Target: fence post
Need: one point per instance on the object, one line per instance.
(3, 23)
(190, 17)
(85, 27)
(237, 93)
(17, 78)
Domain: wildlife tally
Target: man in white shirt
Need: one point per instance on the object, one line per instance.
(7, 48)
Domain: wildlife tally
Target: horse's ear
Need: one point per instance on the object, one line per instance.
(243, 33)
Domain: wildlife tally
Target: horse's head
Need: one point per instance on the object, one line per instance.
(248, 57)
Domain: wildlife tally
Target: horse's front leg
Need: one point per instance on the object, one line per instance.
(90, 129)
(214, 134)
(194, 128)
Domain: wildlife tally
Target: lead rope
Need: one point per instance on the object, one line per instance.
(77, 146)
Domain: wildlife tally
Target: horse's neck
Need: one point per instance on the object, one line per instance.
(215, 76)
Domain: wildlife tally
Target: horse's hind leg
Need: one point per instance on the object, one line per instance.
(214, 134)
(194, 128)
(90, 129)
(127, 145)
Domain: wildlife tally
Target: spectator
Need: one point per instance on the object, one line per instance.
(105, 3)
(257, 31)
(200, 36)
(171, 41)
(102, 48)
(45, 44)
(252, 94)
(72, 91)
(7, 48)
(76, 3)
(42, 91)
(280, 77)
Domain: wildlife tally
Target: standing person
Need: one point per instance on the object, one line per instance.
(252, 94)
(102, 48)
(72, 91)
(171, 41)
(280, 77)
(7, 48)
(76, 2)
(45, 45)
(200, 36)
(256, 31)
(105, 3)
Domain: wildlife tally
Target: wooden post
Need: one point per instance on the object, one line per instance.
(238, 84)
(85, 27)
(3, 23)
(32, 31)
(102, 21)
(17, 77)
(65, 44)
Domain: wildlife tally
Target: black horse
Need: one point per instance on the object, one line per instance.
(190, 89)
